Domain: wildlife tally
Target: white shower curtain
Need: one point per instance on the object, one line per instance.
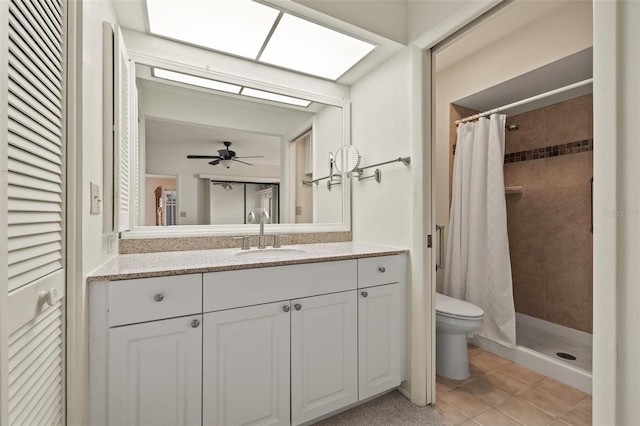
(477, 264)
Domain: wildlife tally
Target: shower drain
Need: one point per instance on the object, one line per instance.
(566, 356)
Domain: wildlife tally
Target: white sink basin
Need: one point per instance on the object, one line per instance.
(270, 253)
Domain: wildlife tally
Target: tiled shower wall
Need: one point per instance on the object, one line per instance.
(549, 223)
(551, 156)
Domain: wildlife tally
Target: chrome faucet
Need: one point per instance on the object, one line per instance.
(264, 217)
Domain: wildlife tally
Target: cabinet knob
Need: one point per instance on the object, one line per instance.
(285, 308)
(195, 323)
(364, 294)
(49, 297)
(158, 297)
(382, 269)
(297, 306)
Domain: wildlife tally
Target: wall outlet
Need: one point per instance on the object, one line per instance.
(183, 214)
(298, 210)
(95, 198)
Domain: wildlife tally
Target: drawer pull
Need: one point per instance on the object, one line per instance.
(195, 323)
(297, 306)
(158, 297)
(285, 308)
(364, 294)
(382, 269)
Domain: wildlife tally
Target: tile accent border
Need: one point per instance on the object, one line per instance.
(550, 151)
(156, 245)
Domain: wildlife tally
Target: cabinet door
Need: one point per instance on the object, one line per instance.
(324, 372)
(379, 339)
(246, 366)
(155, 373)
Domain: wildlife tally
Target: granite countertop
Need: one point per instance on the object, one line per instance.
(144, 265)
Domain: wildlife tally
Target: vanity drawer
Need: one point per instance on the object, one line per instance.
(380, 270)
(233, 289)
(147, 299)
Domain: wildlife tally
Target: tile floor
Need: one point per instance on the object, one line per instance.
(500, 392)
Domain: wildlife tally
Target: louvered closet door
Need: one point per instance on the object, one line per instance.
(35, 211)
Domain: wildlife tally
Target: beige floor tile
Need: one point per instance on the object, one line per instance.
(453, 414)
(522, 373)
(506, 382)
(450, 384)
(550, 403)
(465, 402)
(486, 391)
(560, 389)
(485, 362)
(558, 422)
(525, 413)
(494, 417)
(586, 404)
(578, 417)
(469, 423)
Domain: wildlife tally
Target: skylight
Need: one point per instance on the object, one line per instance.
(255, 93)
(252, 30)
(196, 81)
(313, 49)
(227, 87)
(239, 27)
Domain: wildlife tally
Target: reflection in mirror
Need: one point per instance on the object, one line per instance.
(246, 155)
(347, 159)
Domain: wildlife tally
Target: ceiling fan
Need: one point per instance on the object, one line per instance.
(225, 157)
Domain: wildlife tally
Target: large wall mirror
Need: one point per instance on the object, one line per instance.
(211, 161)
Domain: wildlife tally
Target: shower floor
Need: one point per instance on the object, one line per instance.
(549, 339)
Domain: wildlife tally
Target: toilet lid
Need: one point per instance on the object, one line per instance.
(452, 307)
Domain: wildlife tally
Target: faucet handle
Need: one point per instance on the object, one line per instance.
(276, 240)
(245, 242)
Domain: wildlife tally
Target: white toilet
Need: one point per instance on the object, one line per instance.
(455, 319)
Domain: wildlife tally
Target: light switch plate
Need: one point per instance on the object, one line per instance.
(95, 198)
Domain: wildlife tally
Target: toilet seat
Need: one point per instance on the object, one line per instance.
(451, 307)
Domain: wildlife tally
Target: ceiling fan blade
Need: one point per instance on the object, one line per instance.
(243, 162)
(214, 162)
(203, 156)
(254, 156)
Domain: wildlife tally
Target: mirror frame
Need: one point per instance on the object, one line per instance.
(137, 231)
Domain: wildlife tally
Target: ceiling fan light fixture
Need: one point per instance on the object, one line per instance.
(226, 163)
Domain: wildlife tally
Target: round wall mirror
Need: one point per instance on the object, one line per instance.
(347, 159)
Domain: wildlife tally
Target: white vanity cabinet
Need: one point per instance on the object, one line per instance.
(380, 324)
(245, 376)
(279, 345)
(324, 355)
(155, 372)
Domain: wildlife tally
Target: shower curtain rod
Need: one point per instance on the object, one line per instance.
(526, 101)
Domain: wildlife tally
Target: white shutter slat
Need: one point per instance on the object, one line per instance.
(123, 131)
(33, 217)
(20, 82)
(34, 194)
(19, 19)
(35, 126)
(18, 71)
(53, 37)
(33, 229)
(36, 369)
(25, 133)
(23, 46)
(27, 96)
(46, 15)
(19, 205)
(25, 278)
(34, 252)
(19, 243)
(55, 10)
(35, 157)
(33, 109)
(25, 181)
(29, 265)
(29, 170)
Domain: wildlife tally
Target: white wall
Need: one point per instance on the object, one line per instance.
(568, 29)
(616, 227)
(327, 137)
(380, 123)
